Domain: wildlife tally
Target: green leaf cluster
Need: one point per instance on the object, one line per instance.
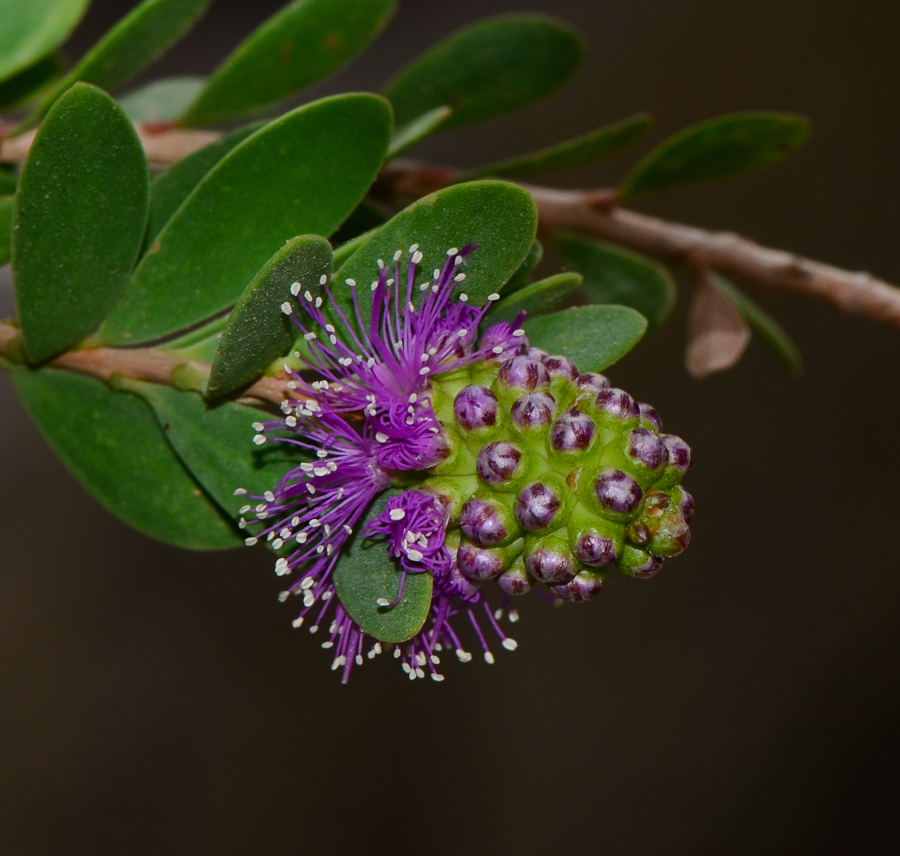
(199, 260)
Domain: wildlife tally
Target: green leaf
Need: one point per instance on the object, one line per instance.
(614, 275)
(537, 298)
(593, 337)
(302, 43)
(30, 81)
(161, 101)
(366, 572)
(7, 205)
(258, 330)
(501, 218)
(256, 198)
(81, 210)
(33, 28)
(720, 147)
(170, 188)
(136, 41)
(584, 149)
(111, 443)
(491, 68)
(415, 131)
(772, 334)
(216, 444)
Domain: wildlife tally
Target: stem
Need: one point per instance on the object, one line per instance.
(595, 213)
(150, 364)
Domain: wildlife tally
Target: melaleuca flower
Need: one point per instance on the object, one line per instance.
(515, 468)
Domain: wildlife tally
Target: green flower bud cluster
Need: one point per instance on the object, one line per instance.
(553, 477)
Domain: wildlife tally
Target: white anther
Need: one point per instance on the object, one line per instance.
(240, 492)
(424, 371)
(295, 288)
(381, 438)
(464, 656)
(397, 514)
(436, 677)
(415, 555)
(259, 439)
(383, 601)
(297, 622)
(286, 308)
(452, 251)
(417, 257)
(250, 541)
(494, 296)
(497, 349)
(291, 421)
(489, 658)
(309, 336)
(519, 332)
(510, 644)
(397, 255)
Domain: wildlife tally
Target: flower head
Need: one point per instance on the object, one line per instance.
(514, 467)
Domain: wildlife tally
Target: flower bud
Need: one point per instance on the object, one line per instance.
(636, 562)
(475, 408)
(561, 367)
(515, 581)
(679, 461)
(572, 432)
(617, 493)
(650, 418)
(536, 507)
(533, 411)
(487, 522)
(499, 463)
(647, 449)
(592, 381)
(549, 561)
(480, 563)
(594, 548)
(523, 373)
(583, 587)
(616, 403)
(663, 523)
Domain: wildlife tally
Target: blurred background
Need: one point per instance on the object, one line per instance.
(746, 700)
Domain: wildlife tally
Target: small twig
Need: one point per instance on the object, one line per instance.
(162, 143)
(149, 364)
(596, 213)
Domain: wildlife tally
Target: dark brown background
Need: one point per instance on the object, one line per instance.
(156, 701)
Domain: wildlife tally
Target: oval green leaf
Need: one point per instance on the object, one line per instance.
(615, 275)
(30, 81)
(720, 147)
(302, 174)
(584, 149)
(7, 205)
(169, 189)
(770, 332)
(366, 571)
(491, 68)
(215, 443)
(161, 101)
(415, 131)
(593, 337)
(302, 43)
(33, 28)
(110, 441)
(537, 298)
(258, 329)
(500, 217)
(81, 210)
(136, 41)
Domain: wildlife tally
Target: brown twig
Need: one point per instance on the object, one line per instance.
(149, 364)
(596, 213)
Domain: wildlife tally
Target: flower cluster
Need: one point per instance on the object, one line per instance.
(512, 464)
